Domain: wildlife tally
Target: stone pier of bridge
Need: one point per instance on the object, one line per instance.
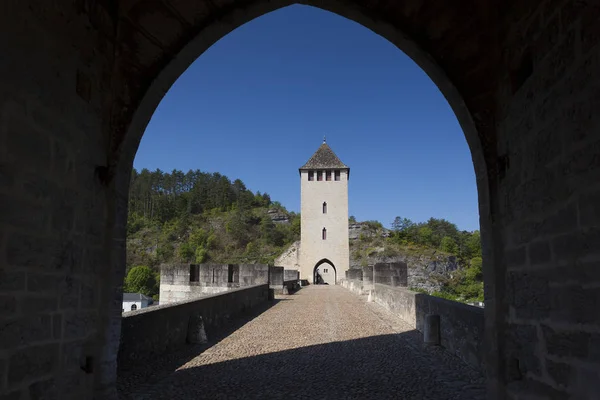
(321, 342)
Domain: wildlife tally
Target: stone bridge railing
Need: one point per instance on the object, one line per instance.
(461, 326)
(155, 331)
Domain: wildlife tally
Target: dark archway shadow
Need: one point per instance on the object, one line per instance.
(318, 264)
(392, 366)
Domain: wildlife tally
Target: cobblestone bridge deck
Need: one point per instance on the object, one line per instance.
(323, 342)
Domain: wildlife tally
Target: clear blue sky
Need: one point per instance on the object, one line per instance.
(257, 104)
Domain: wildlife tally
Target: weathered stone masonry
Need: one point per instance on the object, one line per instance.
(80, 80)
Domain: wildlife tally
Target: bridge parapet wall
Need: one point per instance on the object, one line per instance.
(392, 274)
(353, 280)
(180, 282)
(291, 275)
(154, 331)
(461, 325)
(276, 277)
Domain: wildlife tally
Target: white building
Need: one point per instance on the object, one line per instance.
(135, 301)
(324, 245)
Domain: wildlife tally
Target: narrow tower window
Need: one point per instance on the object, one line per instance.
(337, 175)
(328, 175)
(311, 176)
(324, 207)
(319, 175)
(324, 233)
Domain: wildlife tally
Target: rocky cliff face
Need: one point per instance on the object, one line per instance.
(360, 228)
(425, 271)
(278, 216)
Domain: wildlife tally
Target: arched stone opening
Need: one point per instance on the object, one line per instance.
(477, 133)
(326, 275)
(80, 82)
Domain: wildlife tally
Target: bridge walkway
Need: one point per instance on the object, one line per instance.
(322, 342)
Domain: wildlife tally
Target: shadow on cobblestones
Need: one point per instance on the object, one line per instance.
(322, 343)
(380, 367)
(150, 371)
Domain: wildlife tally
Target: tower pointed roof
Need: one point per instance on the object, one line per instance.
(324, 158)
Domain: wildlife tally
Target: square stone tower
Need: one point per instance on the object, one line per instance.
(324, 245)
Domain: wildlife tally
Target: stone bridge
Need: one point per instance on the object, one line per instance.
(81, 79)
(321, 342)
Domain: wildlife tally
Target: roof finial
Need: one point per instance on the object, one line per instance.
(324, 141)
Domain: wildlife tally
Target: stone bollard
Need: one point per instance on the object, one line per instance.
(431, 331)
(196, 333)
(285, 290)
(370, 298)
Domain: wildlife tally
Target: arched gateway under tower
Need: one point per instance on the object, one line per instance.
(325, 273)
(324, 214)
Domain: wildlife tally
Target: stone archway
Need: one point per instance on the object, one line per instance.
(471, 99)
(81, 80)
(329, 277)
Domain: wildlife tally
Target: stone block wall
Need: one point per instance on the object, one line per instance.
(367, 275)
(354, 274)
(461, 325)
(276, 277)
(253, 274)
(188, 281)
(548, 196)
(153, 332)
(216, 274)
(291, 275)
(392, 274)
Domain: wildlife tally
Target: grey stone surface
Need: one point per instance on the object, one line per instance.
(392, 274)
(32, 363)
(181, 282)
(291, 275)
(276, 277)
(151, 332)
(354, 274)
(461, 325)
(348, 349)
(431, 329)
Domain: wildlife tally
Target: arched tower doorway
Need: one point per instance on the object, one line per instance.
(324, 272)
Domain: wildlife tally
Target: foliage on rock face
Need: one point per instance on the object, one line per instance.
(409, 239)
(439, 234)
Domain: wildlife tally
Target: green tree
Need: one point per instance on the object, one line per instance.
(352, 219)
(401, 224)
(141, 279)
(186, 251)
(201, 255)
(425, 235)
(475, 270)
(449, 245)
(296, 224)
(473, 244)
